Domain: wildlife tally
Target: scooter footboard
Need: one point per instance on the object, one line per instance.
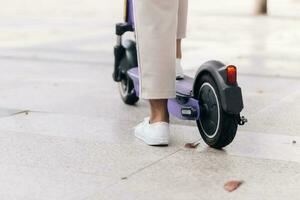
(188, 110)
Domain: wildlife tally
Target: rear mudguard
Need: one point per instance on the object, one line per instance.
(231, 95)
(125, 59)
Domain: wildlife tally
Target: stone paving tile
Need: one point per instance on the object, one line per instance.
(28, 182)
(53, 149)
(106, 152)
(92, 129)
(279, 116)
(76, 141)
(193, 175)
(100, 163)
(271, 105)
(97, 157)
(258, 46)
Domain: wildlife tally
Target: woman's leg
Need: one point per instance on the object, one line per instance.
(159, 110)
(158, 105)
(178, 49)
(182, 24)
(155, 28)
(156, 24)
(181, 33)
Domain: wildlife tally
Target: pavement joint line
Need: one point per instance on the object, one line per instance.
(243, 15)
(40, 59)
(297, 78)
(152, 164)
(266, 146)
(22, 111)
(233, 150)
(64, 169)
(53, 168)
(260, 158)
(135, 173)
(270, 76)
(278, 102)
(36, 59)
(26, 112)
(62, 138)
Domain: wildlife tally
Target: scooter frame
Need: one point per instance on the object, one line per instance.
(186, 105)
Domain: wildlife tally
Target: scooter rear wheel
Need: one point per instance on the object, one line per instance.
(216, 127)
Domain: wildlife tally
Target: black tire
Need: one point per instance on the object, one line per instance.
(216, 127)
(127, 92)
(127, 62)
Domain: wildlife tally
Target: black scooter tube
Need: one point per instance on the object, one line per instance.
(119, 51)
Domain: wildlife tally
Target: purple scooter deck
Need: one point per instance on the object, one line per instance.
(184, 89)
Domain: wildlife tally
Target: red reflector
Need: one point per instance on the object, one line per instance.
(231, 74)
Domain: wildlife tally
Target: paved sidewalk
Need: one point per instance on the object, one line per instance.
(65, 134)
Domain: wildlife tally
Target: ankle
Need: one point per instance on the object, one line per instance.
(155, 119)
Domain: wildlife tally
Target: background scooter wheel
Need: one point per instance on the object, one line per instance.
(216, 127)
(128, 60)
(127, 92)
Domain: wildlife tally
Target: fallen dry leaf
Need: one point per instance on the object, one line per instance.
(260, 91)
(191, 145)
(232, 185)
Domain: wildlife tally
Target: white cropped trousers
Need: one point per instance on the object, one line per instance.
(158, 24)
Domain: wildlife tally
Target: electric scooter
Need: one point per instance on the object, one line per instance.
(212, 98)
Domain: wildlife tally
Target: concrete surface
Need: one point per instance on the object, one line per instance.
(65, 134)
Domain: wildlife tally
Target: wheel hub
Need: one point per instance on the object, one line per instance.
(210, 118)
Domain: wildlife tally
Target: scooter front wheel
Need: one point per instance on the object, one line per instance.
(216, 127)
(127, 92)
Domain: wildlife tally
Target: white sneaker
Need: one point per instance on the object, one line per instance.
(179, 70)
(156, 134)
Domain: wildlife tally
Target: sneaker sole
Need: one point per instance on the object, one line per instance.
(152, 142)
